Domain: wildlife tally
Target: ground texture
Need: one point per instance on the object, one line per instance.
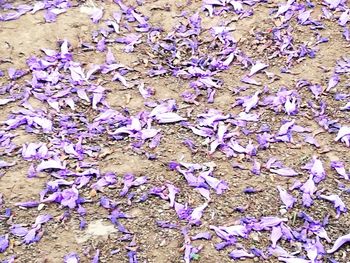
(173, 131)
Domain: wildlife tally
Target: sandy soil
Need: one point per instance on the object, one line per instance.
(25, 37)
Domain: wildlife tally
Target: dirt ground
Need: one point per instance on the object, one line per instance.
(25, 37)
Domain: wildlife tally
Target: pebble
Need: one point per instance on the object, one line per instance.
(166, 207)
(283, 211)
(255, 236)
(17, 243)
(41, 206)
(163, 243)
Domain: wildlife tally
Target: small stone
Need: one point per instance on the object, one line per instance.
(17, 243)
(93, 193)
(41, 206)
(166, 207)
(283, 211)
(254, 236)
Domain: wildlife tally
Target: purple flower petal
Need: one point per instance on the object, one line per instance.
(276, 235)
(41, 219)
(251, 81)
(338, 243)
(132, 257)
(219, 185)
(169, 117)
(343, 132)
(166, 224)
(290, 106)
(172, 192)
(311, 140)
(4, 243)
(284, 171)
(340, 168)
(240, 253)
(203, 235)
(71, 258)
(344, 17)
(287, 199)
(70, 197)
(338, 203)
(304, 16)
(317, 170)
(18, 230)
(28, 204)
(251, 102)
(30, 237)
(96, 257)
(257, 67)
(293, 260)
(96, 15)
(196, 214)
(50, 164)
(346, 34)
(6, 164)
(333, 81)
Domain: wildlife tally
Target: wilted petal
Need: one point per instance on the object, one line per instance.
(284, 171)
(293, 260)
(333, 81)
(249, 80)
(251, 102)
(169, 117)
(172, 192)
(30, 237)
(304, 16)
(312, 140)
(338, 243)
(311, 251)
(96, 15)
(69, 197)
(343, 131)
(204, 235)
(257, 67)
(96, 257)
(340, 168)
(6, 164)
(338, 203)
(276, 235)
(268, 221)
(41, 219)
(285, 127)
(286, 198)
(240, 253)
(4, 243)
(204, 192)
(344, 17)
(219, 185)
(309, 186)
(71, 258)
(18, 230)
(317, 170)
(50, 164)
(236, 230)
(197, 214)
(290, 106)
